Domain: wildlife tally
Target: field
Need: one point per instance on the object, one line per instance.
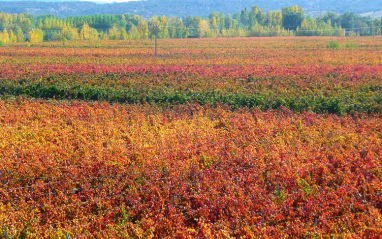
(215, 138)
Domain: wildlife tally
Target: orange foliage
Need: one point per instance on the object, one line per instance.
(95, 169)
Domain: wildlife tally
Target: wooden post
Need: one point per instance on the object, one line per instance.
(316, 225)
(154, 32)
(156, 46)
(6, 232)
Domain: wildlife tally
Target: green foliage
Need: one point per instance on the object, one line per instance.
(252, 21)
(125, 216)
(333, 44)
(279, 194)
(333, 103)
(64, 42)
(1, 44)
(305, 187)
(350, 45)
(292, 17)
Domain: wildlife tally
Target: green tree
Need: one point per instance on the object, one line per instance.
(176, 28)
(19, 34)
(26, 25)
(292, 17)
(244, 17)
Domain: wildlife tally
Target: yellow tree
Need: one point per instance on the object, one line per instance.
(4, 37)
(154, 26)
(143, 29)
(134, 33)
(163, 31)
(12, 37)
(36, 36)
(88, 33)
(203, 28)
(214, 25)
(123, 34)
(69, 33)
(114, 33)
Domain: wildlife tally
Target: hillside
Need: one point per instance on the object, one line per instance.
(376, 14)
(182, 8)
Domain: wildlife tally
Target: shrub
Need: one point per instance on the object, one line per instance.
(333, 44)
(350, 45)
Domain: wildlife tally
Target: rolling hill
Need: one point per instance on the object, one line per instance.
(182, 8)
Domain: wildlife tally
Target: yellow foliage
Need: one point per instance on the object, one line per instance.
(36, 36)
(88, 33)
(4, 37)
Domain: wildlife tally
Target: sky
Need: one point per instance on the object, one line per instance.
(109, 1)
(97, 1)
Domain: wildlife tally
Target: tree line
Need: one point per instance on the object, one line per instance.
(290, 21)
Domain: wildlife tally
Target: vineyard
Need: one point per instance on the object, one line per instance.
(215, 138)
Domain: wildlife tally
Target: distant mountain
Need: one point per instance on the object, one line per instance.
(377, 14)
(202, 8)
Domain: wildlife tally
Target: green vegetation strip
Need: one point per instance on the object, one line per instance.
(346, 101)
